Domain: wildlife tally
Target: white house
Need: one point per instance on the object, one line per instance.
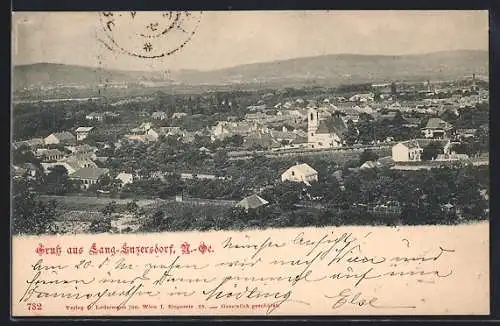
(125, 178)
(179, 115)
(411, 150)
(71, 164)
(152, 135)
(407, 151)
(323, 133)
(159, 115)
(300, 173)
(95, 116)
(83, 132)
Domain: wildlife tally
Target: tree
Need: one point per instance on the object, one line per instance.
(30, 215)
(367, 155)
(100, 226)
(350, 134)
(286, 194)
(57, 182)
(221, 162)
(132, 207)
(109, 209)
(431, 151)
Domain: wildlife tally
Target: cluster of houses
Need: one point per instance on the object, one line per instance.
(295, 123)
(304, 174)
(67, 150)
(436, 131)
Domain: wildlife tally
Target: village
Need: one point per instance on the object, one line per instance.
(159, 154)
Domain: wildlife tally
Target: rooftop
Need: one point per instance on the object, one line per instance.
(252, 202)
(304, 168)
(332, 125)
(84, 129)
(437, 123)
(64, 135)
(89, 173)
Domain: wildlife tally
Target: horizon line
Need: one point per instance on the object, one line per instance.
(252, 63)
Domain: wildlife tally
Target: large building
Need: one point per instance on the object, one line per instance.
(411, 150)
(88, 176)
(323, 129)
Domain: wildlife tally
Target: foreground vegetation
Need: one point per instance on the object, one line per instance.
(446, 195)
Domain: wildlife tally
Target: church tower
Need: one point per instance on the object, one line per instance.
(474, 85)
(312, 121)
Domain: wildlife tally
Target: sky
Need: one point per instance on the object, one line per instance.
(225, 39)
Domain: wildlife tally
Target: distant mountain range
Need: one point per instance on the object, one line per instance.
(325, 70)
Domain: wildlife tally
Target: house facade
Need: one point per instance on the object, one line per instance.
(50, 155)
(411, 150)
(407, 151)
(159, 115)
(95, 116)
(300, 173)
(83, 132)
(88, 176)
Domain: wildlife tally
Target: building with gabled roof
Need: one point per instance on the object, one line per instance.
(300, 173)
(368, 165)
(252, 202)
(125, 178)
(83, 132)
(50, 155)
(411, 150)
(437, 128)
(88, 176)
(63, 138)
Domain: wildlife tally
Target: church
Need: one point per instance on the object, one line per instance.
(324, 130)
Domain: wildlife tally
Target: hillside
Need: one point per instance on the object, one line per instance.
(327, 70)
(343, 68)
(50, 74)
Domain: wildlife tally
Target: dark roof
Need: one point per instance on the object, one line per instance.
(423, 142)
(437, 123)
(333, 125)
(388, 116)
(65, 135)
(262, 140)
(414, 121)
(51, 152)
(386, 161)
(89, 173)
